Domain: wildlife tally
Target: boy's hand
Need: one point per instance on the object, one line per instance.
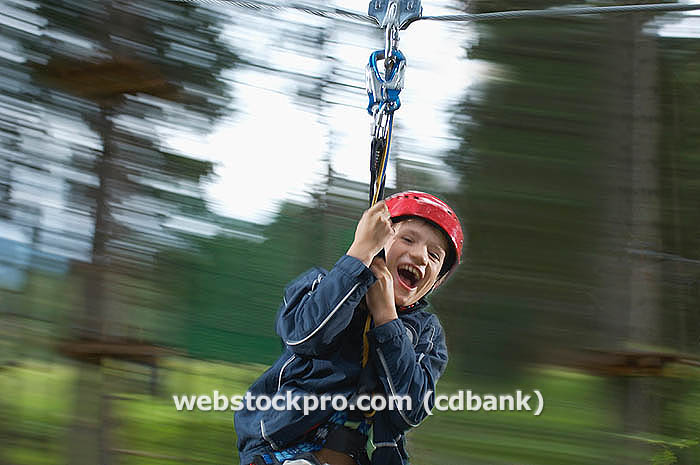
(372, 233)
(380, 296)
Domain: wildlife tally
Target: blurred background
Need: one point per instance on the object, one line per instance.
(167, 167)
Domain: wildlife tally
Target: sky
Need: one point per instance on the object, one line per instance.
(689, 26)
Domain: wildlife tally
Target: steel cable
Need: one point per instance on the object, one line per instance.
(564, 11)
(495, 15)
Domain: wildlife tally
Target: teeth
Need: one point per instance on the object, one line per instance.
(412, 270)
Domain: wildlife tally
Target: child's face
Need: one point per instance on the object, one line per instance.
(415, 256)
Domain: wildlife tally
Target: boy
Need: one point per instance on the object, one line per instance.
(331, 347)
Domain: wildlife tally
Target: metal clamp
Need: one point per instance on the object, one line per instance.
(408, 11)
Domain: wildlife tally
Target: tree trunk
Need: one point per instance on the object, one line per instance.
(90, 432)
(630, 273)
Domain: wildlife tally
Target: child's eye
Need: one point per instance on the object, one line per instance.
(408, 239)
(434, 256)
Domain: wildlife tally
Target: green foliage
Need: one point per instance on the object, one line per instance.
(224, 293)
(664, 454)
(148, 430)
(530, 131)
(664, 457)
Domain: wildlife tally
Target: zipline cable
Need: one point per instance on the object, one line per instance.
(489, 16)
(564, 11)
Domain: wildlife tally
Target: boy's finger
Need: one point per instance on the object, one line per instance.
(388, 228)
(377, 269)
(379, 206)
(379, 263)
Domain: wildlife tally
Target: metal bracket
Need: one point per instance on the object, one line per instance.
(408, 11)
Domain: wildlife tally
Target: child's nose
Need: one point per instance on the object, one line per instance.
(419, 254)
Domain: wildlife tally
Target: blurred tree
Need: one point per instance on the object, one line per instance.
(110, 76)
(679, 169)
(630, 285)
(18, 118)
(125, 69)
(564, 198)
(529, 162)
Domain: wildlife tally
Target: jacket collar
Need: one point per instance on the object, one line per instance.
(421, 303)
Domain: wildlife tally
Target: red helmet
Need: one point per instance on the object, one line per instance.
(429, 207)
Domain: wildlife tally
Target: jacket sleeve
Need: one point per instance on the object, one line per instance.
(319, 305)
(405, 371)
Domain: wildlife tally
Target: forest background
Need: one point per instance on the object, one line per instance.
(167, 167)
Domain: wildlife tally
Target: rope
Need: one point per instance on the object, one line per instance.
(378, 184)
(495, 15)
(365, 341)
(377, 194)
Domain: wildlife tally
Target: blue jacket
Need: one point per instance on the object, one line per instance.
(321, 327)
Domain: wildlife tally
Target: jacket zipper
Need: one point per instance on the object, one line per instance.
(279, 380)
(262, 431)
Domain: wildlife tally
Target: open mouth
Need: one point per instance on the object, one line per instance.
(409, 276)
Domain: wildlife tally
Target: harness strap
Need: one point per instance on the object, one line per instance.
(349, 441)
(260, 460)
(365, 341)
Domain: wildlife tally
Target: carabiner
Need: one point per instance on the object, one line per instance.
(380, 90)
